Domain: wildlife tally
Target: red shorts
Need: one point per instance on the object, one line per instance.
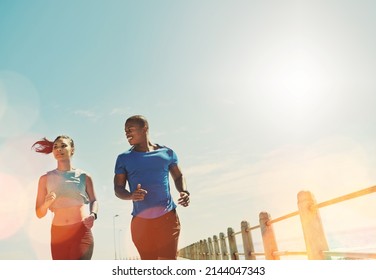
(156, 238)
(71, 242)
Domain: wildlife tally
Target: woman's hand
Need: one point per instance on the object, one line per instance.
(49, 199)
(89, 221)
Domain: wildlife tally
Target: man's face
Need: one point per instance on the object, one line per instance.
(134, 133)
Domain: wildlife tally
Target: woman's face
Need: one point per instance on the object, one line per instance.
(134, 133)
(62, 149)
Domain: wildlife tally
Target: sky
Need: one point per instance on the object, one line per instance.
(259, 99)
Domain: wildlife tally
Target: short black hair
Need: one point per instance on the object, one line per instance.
(139, 119)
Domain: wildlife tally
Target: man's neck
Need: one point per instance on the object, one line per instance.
(148, 147)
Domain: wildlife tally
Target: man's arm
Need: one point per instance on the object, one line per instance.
(121, 192)
(180, 185)
(120, 180)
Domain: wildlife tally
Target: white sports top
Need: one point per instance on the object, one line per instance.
(69, 186)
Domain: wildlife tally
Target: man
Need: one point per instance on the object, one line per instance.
(146, 166)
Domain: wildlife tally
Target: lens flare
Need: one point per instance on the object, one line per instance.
(13, 211)
(3, 99)
(38, 230)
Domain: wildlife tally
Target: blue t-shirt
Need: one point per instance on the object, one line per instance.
(151, 170)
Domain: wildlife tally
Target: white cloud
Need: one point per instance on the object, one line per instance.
(120, 111)
(87, 114)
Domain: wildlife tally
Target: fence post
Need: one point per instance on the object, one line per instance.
(192, 251)
(197, 250)
(216, 248)
(247, 241)
(223, 246)
(187, 251)
(232, 244)
(201, 246)
(211, 249)
(313, 231)
(183, 253)
(205, 250)
(268, 237)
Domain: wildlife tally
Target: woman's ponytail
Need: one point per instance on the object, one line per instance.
(44, 146)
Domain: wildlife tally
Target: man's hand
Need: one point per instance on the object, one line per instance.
(184, 199)
(139, 194)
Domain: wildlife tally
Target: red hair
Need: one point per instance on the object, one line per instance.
(44, 146)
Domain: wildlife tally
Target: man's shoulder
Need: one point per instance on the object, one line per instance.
(168, 150)
(164, 147)
(125, 153)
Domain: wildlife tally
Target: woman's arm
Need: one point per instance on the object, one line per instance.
(44, 199)
(93, 207)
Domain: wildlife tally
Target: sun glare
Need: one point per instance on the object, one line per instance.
(3, 100)
(13, 212)
(297, 81)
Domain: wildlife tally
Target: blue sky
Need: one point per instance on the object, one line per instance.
(259, 99)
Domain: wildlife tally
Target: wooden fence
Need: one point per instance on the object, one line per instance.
(226, 248)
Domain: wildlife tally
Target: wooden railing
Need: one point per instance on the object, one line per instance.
(226, 247)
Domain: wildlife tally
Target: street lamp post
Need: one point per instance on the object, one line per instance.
(120, 244)
(115, 236)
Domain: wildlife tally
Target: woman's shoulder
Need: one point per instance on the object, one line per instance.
(43, 178)
(50, 172)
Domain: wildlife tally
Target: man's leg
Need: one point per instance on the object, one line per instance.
(143, 238)
(168, 235)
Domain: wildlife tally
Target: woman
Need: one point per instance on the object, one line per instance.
(65, 191)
